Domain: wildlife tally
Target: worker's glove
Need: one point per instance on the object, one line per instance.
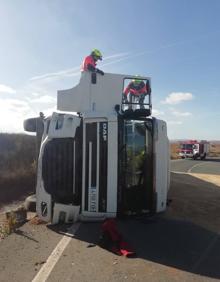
(100, 71)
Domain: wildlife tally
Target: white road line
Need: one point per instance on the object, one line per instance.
(178, 172)
(46, 269)
(200, 164)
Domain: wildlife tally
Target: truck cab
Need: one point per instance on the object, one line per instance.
(99, 159)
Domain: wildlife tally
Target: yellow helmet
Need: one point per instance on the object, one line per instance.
(137, 80)
(96, 53)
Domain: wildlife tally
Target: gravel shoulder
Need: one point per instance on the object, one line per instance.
(214, 179)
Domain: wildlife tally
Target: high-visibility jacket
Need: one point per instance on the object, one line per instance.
(88, 64)
(136, 89)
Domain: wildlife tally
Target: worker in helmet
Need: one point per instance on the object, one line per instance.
(136, 89)
(89, 63)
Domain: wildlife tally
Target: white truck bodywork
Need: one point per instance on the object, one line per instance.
(80, 155)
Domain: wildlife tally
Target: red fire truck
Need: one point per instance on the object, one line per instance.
(194, 149)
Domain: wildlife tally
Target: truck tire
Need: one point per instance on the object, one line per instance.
(30, 124)
(30, 203)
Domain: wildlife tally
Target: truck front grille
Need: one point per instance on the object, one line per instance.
(61, 170)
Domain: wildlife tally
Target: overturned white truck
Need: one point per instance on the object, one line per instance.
(99, 159)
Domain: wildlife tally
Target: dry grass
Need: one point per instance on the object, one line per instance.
(214, 150)
(174, 151)
(17, 167)
(16, 185)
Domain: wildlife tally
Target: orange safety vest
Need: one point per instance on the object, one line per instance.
(88, 61)
(135, 90)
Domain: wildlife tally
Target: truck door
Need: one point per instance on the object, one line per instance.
(135, 167)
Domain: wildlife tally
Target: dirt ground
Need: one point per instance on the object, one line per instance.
(214, 179)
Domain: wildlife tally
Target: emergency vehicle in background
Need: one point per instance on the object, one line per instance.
(99, 159)
(194, 149)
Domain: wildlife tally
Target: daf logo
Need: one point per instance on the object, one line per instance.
(104, 131)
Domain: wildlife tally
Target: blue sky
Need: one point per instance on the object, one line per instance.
(176, 42)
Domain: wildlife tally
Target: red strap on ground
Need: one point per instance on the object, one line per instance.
(113, 241)
(126, 250)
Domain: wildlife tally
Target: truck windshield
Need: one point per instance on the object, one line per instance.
(186, 146)
(135, 166)
(135, 140)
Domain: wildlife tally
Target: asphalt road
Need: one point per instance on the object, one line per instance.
(181, 245)
(208, 166)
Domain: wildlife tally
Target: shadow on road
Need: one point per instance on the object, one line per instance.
(186, 237)
(22, 233)
(176, 243)
(212, 160)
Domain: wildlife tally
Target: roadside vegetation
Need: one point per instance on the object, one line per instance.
(215, 149)
(174, 151)
(17, 167)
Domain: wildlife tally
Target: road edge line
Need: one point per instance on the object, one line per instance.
(199, 164)
(46, 269)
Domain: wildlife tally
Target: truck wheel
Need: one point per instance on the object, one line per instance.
(30, 203)
(30, 124)
(194, 157)
(203, 157)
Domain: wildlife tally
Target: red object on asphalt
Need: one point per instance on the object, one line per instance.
(112, 240)
(126, 250)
